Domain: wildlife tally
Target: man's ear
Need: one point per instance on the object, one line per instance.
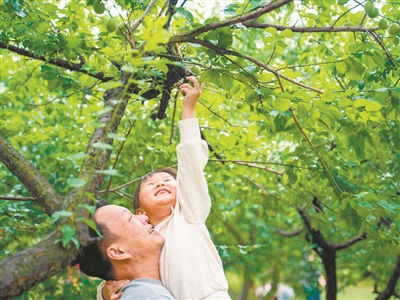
(140, 211)
(117, 253)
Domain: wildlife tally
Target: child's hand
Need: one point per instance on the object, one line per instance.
(192, 95)
(112, 287)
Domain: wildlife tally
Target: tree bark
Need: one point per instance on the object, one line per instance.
(389, 291)
(32, 179)
(23, 270)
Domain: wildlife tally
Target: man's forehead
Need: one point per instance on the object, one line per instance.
(111, 211)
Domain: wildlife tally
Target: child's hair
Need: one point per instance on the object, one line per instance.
(136, 200)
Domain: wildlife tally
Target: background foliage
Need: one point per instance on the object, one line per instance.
(300, 111)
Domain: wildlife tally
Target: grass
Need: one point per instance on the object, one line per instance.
(362, 291)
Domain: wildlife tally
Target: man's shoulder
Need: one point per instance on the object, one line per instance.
(145, 288)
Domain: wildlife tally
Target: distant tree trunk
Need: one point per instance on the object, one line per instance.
(390, 288)
(247, 283)
(329, 262)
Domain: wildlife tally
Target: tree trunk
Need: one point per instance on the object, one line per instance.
(247, 283)
(329, 262)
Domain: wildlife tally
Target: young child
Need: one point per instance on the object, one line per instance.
(178, 206)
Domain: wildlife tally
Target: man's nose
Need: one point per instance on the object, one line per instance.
(143, 218)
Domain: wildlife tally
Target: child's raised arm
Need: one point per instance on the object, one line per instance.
(192, 95)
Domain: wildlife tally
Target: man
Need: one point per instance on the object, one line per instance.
(129, 248)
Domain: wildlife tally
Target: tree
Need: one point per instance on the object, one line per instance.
(300, 112)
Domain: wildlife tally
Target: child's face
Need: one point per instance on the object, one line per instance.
(158, 191)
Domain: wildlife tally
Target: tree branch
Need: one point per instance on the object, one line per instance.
(350, 242)
(253, 60)
(390, 288)
(32, 179)
(316, 234)
(295, 232)
(17, 198)
(20, 272)
(57, 62)
(237, 20)
(254, 24)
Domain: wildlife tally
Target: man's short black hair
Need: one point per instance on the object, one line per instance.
(92, 259)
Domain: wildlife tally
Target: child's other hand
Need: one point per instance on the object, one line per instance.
(112, 287)
(192, 94)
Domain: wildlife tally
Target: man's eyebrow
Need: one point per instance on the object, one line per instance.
(124, 212)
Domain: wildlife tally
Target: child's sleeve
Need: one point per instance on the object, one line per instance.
(192, 190)
(99, 295)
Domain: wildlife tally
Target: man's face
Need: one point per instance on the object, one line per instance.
(133, 232)
(157, 191)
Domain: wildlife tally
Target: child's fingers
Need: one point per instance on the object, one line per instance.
(116, 296)
(194, 81)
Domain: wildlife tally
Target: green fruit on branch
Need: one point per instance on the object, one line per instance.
(190, 49)
(196, 70)
(73, 56)
(383, 24)
(239, 105)
(374, 13)
(394, 29)
(111, 25)
(99, 8)
(368, 7)
(161, 127)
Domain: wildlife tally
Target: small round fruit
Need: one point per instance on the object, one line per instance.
(99, 8)
(49, 110)
(73, 56)
(383, 24)
(111, 25)
(368, 7)
(196, 70)
(238, 181)
(161, 127)
(245, 189)
(189, 49)
(239, 105)
(394, 29)
(374, 13)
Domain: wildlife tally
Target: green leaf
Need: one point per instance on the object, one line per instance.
(288, 33)
(104, 110)
(89, 223)
(73, 41)
(373, 106)
(75, 182)
(109, 172)
(90, 208)
(102, 146)
(188, 15)
(389, 207)
(115, 136)
(78, 156)
(60, 213)
(67, 234)
(282, 104)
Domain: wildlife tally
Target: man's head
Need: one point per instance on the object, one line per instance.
(156, 189)
(127, 240)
